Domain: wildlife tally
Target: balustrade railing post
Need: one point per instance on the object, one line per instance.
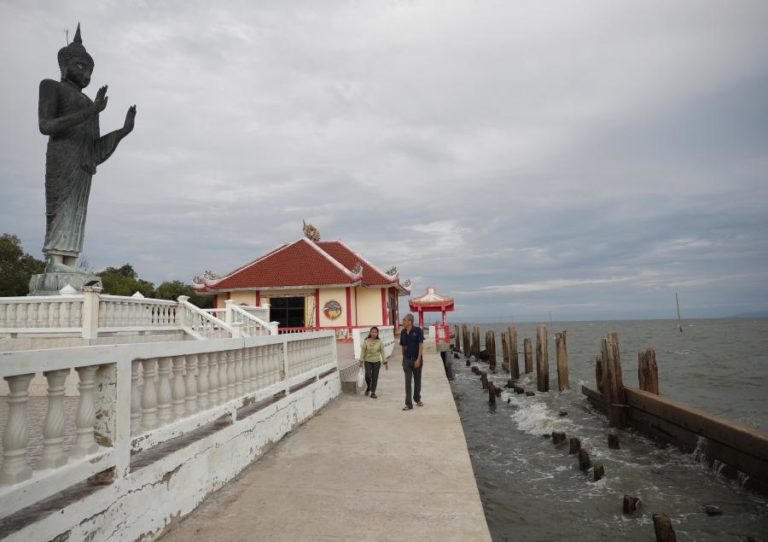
(149, 395)
(231, 375)
(284, 375)
(203, 381)
(239, 372)
(213, 379)
(15, 434)
(85, 442)
(53, 427)
(135, 397)
(246, 370)
(223, 376)
(164, 394)
(190, 382)
(90, 312)
(178, 391)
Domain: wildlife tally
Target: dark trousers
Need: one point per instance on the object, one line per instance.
(412, 372)
(372, 375)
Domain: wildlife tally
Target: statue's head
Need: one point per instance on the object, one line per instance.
(75, 63)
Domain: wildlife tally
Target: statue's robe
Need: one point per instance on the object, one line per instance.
(74, 151)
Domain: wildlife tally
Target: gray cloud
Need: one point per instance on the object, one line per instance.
(527, 157)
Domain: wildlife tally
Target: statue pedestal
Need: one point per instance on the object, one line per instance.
(52, 283)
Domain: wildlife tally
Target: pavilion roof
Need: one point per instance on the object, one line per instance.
(431, 300)
(304, 263)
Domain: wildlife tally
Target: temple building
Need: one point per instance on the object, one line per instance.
(312, 284)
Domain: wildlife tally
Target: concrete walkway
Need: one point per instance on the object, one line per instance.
(361, 469)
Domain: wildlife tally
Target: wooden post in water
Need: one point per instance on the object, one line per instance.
(613, 388)
(465, 339)
(491, 393)
(662, 525)
(599, 372)
(505, 351)
(630, 504)
(476, 342)
(528, 353)
(647, 371)
(574, 446)
(598, 472)
(490, 346)
(542, 359)
(563, 383)
(584, 461)
(514, 366)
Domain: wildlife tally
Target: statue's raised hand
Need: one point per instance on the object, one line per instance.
(101, 99)
(129, 116)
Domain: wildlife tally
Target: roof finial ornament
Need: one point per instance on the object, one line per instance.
(310, 232)
(392, 271)
(357, 269)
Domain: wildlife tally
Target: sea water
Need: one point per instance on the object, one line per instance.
(532, 490)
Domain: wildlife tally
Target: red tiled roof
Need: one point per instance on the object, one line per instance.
(301, 263)
(349, 258)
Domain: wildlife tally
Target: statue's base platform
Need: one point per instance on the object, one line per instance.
(52, 283)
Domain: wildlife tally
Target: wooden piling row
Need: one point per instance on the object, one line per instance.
(490, 347)
(505, 352)
(542, 359)
(528, 353)
(561, 347)
(613, 386)
(465, 340)
(514, 367)
(647, 371)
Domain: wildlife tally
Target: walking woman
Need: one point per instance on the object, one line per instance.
(372, 354)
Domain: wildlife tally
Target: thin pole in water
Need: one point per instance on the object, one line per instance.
(679, 324)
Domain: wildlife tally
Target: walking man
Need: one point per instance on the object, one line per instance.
(412, 342)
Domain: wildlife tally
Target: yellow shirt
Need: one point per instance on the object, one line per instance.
(372, 350)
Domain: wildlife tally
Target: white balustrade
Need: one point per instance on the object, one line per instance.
(53, 427)
(178, 391)
(173, 388)
(85, 442)
(40, 313)
(164, 393)
(190, 383)
(231, 375)
(203, 382)
(213, 379)
(239, 372)
(135, 397)
(149, 395)
(15, 434)
(223, 377)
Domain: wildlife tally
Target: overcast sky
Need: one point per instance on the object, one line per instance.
(582, 158)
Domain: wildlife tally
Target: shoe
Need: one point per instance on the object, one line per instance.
(367, 392)
(406, 407)
(373, 396)
(419, 403)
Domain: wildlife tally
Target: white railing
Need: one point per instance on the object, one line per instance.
(119, 313)
(247, 318)
(41, 314)
(145, 394)
(202, 325)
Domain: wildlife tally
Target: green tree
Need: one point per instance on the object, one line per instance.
(173, 289)
(125, 281)
(16, 267)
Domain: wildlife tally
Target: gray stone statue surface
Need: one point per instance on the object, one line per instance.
(75, 149)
